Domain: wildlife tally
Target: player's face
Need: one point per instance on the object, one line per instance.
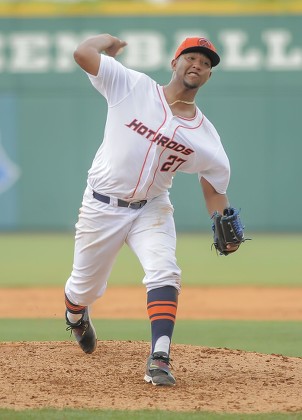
(193, 69)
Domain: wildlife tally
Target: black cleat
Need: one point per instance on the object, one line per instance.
(158, 370)
(84, 332)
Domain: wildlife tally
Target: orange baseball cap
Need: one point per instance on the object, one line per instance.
(198, 45)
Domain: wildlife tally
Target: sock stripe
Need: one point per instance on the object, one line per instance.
(75, 309)
(162, 302)
(166, 317)
(161, 309)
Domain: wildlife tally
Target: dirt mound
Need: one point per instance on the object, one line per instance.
(60, 375)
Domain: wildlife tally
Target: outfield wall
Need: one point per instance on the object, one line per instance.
(51, 119)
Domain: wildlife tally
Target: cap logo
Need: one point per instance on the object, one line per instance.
(203, 42)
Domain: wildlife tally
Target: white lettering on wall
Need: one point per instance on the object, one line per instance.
(44, 52)
(65, 43)
(30, 52)
(237, 55)
(145, 50)
(280, 54)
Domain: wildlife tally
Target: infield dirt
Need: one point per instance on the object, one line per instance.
(254, 303)
(59, 375)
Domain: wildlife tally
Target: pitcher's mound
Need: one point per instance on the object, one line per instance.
(60, 375)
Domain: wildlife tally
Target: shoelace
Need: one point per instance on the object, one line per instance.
(164, 359)
(79, 324)
(82, 325)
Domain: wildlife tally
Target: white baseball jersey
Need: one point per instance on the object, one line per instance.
(145, 144)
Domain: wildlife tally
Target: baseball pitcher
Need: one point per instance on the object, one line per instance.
(151, 132)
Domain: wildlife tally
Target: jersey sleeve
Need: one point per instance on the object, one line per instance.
(218, 173)
(114, 81)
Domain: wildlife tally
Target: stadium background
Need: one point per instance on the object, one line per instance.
(51, 119)
(51, 123)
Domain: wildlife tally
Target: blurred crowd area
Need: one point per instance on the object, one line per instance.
(10, 8)
(272, 2)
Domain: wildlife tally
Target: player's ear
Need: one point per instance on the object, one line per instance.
(173, 64)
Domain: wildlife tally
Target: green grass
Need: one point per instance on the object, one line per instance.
(264, 337)
(46, 259)
(135, 415)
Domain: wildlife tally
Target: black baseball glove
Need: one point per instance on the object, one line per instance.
(227, 229)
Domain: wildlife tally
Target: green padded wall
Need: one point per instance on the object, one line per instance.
(51, 119)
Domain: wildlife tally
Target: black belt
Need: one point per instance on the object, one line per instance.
(121, 203)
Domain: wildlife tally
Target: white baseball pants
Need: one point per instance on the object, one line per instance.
(102, 229)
